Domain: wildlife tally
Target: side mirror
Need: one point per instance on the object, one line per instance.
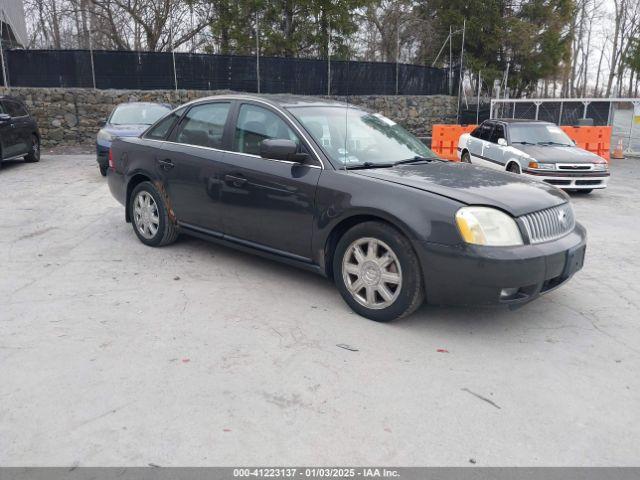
(502, 142)
(5, 118)
(281, 149)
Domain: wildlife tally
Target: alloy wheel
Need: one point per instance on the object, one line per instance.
(145, 214)
(372, 273)
(36, 147)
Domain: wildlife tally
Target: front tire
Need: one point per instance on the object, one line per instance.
(103, 170)
(377, 272)
(466, 157)
(513, 168)
(149, 216)
(34, 154)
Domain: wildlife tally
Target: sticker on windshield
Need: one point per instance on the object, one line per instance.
(386, 120)
(554, 129)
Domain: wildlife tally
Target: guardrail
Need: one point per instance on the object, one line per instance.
(444, 139)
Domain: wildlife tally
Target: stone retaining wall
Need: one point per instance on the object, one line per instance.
(74, 115)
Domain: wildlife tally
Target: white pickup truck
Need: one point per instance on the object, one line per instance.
(536, 148)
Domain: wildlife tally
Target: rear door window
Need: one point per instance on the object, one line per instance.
(14, 109)
(203, 125)
(161, 129)
(498, 132)
(485, 131)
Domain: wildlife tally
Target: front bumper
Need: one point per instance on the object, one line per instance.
(573, 181)
(475, 275)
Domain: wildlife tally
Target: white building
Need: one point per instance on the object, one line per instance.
(12, 24)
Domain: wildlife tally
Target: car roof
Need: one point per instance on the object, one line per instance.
(145, 103)
(520, 120)
(277, 100)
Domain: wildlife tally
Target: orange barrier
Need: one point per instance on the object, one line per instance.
(444, 139)
(594, 139)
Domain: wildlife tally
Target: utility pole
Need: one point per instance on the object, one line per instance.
(4, 73)
(464, 27)
(478, 105)
(173, 54)
(258, 51)
(329, 56)
(397, 56)
(93, 68)
(450, 61)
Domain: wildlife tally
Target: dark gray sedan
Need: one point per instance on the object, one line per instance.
(348, 194)
(539, 149)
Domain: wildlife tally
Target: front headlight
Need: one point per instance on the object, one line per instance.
(104, 136)
(600, 167)
(487, 226)
(542, 166)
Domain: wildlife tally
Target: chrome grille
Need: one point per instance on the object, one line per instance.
(549, 224)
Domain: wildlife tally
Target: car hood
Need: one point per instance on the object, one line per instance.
(558, 154)
(125, 130)
(473, 185)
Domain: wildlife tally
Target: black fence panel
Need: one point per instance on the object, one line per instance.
(549, 112)
(525, 110)
(49, 68)
(419, 80)
(473, 115)
(155, 70)
(599, 111)
(571, 113)
(133, 70)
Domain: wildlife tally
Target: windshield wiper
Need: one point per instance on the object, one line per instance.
(554, 143)
(524, 143)
(416, 159)
(361, 166)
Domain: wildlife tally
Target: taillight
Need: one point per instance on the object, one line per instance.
(112, 165)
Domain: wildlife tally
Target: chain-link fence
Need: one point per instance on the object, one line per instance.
(621, 113)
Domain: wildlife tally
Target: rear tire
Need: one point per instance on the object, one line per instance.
(34, 155)
(149, 216)
(466, 157)
(377, 272)
(103, 170)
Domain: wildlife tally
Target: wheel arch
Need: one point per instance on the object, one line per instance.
(512, 161)
(133, 182)
(345, 225)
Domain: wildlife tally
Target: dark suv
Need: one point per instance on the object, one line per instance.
(19, 135)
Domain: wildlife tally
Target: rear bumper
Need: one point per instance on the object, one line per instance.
(102, 155)
(574, 181)
(117, 186)
(474, 275)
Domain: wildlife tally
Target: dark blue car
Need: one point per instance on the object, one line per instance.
(126, 120)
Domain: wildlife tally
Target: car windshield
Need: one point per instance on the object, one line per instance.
(353, 137)
(138, 114)
(541, 134)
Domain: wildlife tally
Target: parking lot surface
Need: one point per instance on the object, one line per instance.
(113, 353)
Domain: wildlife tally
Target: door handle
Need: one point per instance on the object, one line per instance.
(235, 181)
(166, 164)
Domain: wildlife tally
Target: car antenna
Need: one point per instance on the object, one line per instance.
(346, 110)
